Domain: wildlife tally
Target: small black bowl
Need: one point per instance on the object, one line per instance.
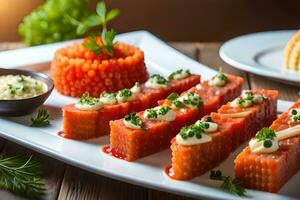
(21, 107)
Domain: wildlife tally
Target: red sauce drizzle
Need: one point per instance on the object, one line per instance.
(169, 172)
(62, 134)
(110, 151)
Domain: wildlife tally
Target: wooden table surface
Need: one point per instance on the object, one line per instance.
(69, 182)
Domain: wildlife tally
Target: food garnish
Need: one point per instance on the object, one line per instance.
(42, 119)
(22, 175)
(231, 185)
(133, 121)
(179, 74)
(266, 135)
(103, 42)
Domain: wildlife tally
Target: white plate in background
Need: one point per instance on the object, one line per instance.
(261, 54)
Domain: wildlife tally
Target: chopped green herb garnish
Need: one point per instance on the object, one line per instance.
(21, 79)
(13, 89)
(265, 134)
(178, 72)
(125, 93)
(151, 113)
(172, 96)
(222, 76)
(163, 110)
(42, 119)
(135, 120)
(248, 96)
(193, 99)
(231, 185)
(108, 95)
(159, 79)
(86, 99)
(191, 131)
(177, 103)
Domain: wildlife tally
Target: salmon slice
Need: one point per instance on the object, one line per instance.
(134, 144)
(194, 160)
(78, 123)
(269, 172)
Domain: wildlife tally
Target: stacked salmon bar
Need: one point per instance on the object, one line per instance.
(90, 117)
(273, 156)
(154, 128)
(202, 146)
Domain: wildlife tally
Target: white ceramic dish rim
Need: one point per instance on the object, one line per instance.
(241, 44)
(199, 191)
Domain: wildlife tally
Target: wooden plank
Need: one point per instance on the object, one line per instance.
(80, 184)
(52, 176)
(187, 48)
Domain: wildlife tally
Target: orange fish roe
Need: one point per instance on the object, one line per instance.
(76, 70)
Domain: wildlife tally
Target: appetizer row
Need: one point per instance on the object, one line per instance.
(202, 146)
(90, 116)
(273, 155)
(147, 132)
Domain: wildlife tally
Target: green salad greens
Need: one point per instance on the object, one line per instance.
(50, 22)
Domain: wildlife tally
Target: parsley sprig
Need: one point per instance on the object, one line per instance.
(21, 174)
(99, 42)
(42, 119)
(106, 44)
(231, 185)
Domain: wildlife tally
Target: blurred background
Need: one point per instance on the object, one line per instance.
(177, 20)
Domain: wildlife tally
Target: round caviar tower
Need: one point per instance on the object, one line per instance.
(76, 70)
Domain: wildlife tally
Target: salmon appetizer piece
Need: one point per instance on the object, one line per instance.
(159, 125)
(90, 117)
(202, 146)
(273, 155)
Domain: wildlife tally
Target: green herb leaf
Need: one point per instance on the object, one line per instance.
(42, 119)
(231, 185)
(109, 41)
(21, 174)
(265, 134)
(107, 46)
(112, 14)
(101, 10)
(173, 96)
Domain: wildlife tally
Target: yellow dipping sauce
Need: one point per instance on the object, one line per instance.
(20, 87)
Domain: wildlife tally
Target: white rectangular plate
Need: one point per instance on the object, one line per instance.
(149, 171)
